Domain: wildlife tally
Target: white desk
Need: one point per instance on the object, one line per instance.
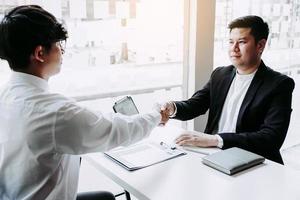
(187, 178)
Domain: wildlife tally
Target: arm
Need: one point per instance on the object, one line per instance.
(197, 105)
(78, 130)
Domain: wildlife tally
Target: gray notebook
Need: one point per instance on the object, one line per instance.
(233, 160)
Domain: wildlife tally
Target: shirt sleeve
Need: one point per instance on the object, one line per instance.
(175, 110)
(220, 142)
(78, 130)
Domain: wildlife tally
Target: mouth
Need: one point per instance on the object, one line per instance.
(235, 56)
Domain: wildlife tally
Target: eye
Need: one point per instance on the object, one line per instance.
(242, 42)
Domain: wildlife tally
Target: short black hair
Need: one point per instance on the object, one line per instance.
(24, 28)
(259, 28)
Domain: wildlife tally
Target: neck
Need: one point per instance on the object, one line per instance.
(244, 70)
(33, 70)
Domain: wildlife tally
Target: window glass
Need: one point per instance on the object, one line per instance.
(116, 47)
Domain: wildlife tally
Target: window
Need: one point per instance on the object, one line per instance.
(115, 48)
(283, 47)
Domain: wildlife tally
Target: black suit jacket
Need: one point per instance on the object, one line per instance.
(264, 115)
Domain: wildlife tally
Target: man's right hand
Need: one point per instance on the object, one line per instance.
(166, 110)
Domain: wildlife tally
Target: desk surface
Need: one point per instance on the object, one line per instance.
(186, 177)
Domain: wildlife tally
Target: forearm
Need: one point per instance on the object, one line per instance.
(187, 110)
(80, 131)
(259, 141)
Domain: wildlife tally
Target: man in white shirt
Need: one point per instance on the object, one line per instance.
(249, 104)
(42, 133)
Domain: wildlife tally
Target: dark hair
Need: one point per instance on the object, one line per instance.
(24, 28)
(259, 28)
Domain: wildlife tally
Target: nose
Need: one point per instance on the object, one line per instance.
(234, 46)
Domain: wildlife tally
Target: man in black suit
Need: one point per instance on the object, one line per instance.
(249, 104)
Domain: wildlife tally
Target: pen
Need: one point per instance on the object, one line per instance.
(167, 146)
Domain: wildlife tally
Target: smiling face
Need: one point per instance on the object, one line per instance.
(244, 52)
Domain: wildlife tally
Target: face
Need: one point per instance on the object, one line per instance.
(53, 59)
(243, 52)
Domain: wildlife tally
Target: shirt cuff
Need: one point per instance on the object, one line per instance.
(175, 110)
(220, 141)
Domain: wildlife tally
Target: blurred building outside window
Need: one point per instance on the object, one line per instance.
(116, 48)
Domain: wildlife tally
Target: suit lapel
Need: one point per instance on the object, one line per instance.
(255, 84)
(222, 88)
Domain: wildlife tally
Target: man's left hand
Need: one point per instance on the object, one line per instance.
(194, 138)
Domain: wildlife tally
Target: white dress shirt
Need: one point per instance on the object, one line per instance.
(233, 102)
(42, 133)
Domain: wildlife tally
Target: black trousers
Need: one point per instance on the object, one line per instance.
(102, 195)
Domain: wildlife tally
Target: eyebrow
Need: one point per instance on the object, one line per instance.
(243, 38)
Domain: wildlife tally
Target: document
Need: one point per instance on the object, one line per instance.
(202, 150)
(143, 155)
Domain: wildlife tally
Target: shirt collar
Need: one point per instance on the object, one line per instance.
(245, 76)
(19, 77)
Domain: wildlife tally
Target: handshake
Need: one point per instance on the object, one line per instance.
(166, 110)
(187, 138)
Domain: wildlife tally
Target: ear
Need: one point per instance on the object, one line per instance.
(261, 45)
(39, 53)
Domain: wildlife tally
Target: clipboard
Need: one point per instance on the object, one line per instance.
(143, 155)
(125, 106)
